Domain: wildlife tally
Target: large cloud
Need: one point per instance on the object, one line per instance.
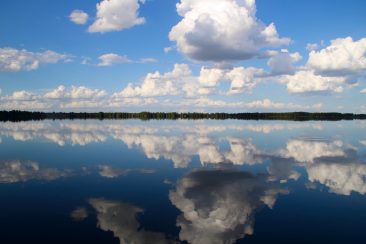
(330, 70)
(344, 56)
(219, 206)
(116, 15)
(15, 60)
(219, 30)
(307, 81)
(156, 84)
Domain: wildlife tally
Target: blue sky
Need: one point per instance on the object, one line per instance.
(217, 55)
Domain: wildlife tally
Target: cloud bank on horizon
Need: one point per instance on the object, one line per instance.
(217, 55)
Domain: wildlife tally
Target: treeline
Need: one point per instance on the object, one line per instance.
(296, 116)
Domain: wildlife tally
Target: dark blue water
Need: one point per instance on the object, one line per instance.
(204, 182)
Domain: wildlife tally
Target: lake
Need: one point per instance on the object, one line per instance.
(184, 181)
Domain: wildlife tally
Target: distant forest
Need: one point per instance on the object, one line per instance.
(296, 116)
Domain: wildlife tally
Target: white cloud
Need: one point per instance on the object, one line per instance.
(243, 79)
(116, 15)
(60, 97)
(220, 30)
(156, 84)
(21, 95)
(363, 91)
(305, 81)
(344, 56)
(83, 92)
(14, 60)
(211, 77)
(111, 58)
(331, 69)
(57, 93)
(79, 17)
(266, 104)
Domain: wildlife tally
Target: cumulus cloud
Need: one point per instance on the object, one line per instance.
(83, 92)
(331, 69)
(221, 30)
(156, 84)
(307, 81)
(176, 89)
(342, 57)
(243, 79)
(221, 204)
(15, 60)
(59, 98)
(79, 17)
(116, 15)
(122, 220)
(181, 81)
(111, 58)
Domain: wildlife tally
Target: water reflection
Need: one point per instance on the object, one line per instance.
(219, 175)
(331, 163)
(121, 219)
(22, 171)
(79, 214)
(85, 132)
(111, 172)
(219, 206)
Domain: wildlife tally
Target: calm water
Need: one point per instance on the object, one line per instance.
(182, 181)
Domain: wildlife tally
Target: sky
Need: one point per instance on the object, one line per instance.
(183, 55)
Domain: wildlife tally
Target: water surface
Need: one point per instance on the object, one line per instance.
(131, 181)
